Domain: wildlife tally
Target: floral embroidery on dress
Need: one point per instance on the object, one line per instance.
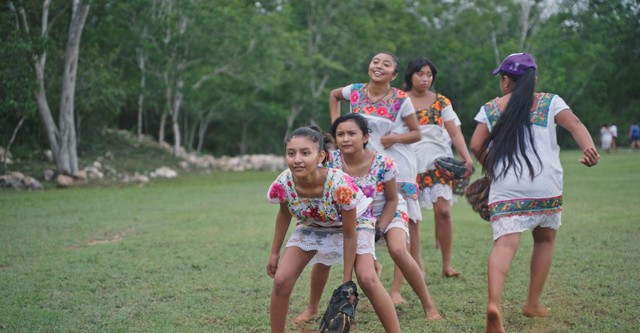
(540, 114)
(387, 108)
(516, 207)
(433, 114)
(408, 190)
(382, 169)
(431, 177)
(340, 192)
(539, 110)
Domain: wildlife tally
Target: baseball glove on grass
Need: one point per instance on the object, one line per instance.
(451, 168)
(477, 194)
(341, 309)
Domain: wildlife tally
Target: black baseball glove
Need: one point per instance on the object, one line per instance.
(451, 168)
(341, 309)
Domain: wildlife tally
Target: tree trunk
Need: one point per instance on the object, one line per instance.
(141, 64)
(175, 112)
(163, 123)
(202, 131)
(68, 161)
(62, 138)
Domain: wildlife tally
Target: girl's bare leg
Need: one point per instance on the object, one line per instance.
(444, 231)
(396, 243)
(414, 243)
(504, 248)
(396, 285)
(378, 296)
(543, 246)
(414, 249)
(290, 267)
(319, 277)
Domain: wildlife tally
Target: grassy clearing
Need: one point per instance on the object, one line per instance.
(189, 255)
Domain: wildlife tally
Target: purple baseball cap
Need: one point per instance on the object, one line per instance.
(516, 64)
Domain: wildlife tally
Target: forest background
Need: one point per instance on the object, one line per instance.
(230, 77)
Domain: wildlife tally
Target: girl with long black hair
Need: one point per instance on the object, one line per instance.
(515, 141)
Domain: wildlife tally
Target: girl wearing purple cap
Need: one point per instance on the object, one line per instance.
(515, 141)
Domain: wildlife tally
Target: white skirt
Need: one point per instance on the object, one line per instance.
(429, 195)
(520, 223)
(329, 242)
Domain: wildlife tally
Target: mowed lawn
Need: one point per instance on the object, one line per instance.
(189, 255)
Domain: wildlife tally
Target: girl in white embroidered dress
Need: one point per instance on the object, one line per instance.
(376, 177)
(333, 222)
(515, 141)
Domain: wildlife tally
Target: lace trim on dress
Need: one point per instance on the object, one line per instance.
(429, 195)
(519, 223)
(329, 243)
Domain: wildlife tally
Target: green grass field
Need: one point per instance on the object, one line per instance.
(189, 255)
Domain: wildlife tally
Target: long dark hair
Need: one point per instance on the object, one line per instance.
(414, 66)
(509, 136)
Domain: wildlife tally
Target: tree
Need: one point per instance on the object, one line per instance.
(61, 136)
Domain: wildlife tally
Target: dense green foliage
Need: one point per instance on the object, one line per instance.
(246, 72)
(185, 255)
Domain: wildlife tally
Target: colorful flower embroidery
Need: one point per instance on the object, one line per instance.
(278, 192)
(525, 207)
(433, 115)
(539, 110)
(429, 178)
(369, 191)
(387, 109)
(322, 211)
(343, 195)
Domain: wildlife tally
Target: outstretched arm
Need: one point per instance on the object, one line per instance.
(283, 220)
(334, 103)
(569, 121)
(350, 238)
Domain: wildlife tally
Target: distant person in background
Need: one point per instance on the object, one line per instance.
(438, 124)
(515, 141)
(605, 138)
(614, 136)
(334, 224)
(634, 136)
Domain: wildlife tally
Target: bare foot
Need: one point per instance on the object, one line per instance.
(494, 320)
(433, 315)
(397, 299)
(450, 272)
(306, 316)
(378, 269)
(535, 311)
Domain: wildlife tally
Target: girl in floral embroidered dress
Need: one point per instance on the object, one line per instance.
(334, 224)
(394, 127)
(375, 175)
(437, 119)
(515, 141)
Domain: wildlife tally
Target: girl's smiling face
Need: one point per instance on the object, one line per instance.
(382, 68)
